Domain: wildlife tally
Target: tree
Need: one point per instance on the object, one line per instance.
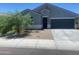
(15, 22)
(3, 21)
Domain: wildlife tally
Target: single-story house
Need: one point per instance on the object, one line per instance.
(48, 16)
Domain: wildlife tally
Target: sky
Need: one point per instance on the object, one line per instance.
(13, 7)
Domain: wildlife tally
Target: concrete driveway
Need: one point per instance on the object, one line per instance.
(66, 34)
(66, 39)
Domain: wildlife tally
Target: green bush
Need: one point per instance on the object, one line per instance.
(15, 23)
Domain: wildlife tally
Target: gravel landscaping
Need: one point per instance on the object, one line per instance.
(31, 34)
(40, 34)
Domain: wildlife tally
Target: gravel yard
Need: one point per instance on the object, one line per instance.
(40, 34)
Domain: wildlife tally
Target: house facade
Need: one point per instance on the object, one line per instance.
(48, 16)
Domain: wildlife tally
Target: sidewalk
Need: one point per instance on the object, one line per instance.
(28, 43)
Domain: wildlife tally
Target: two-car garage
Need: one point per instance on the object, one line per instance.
(62, 23)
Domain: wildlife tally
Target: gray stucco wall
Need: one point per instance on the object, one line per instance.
(37, 21)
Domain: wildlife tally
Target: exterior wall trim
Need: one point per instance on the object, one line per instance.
(35, 27)
(63, 18)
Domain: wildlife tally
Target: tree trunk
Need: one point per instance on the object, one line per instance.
(18, 30)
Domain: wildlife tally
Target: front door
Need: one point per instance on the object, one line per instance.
(44, 22)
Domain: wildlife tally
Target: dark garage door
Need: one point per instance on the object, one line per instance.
(62, 23)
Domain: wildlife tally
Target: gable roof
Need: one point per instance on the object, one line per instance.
(24, 12)
(55, 11)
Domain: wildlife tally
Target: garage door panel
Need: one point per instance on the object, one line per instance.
(62, 24)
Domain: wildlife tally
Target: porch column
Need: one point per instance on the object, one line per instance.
(76, 24)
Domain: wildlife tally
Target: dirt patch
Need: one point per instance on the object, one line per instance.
(33, 34)
(40, 34)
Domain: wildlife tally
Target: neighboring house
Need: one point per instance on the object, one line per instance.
(52, 17)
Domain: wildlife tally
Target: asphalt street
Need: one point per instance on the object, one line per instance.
(33, 51)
